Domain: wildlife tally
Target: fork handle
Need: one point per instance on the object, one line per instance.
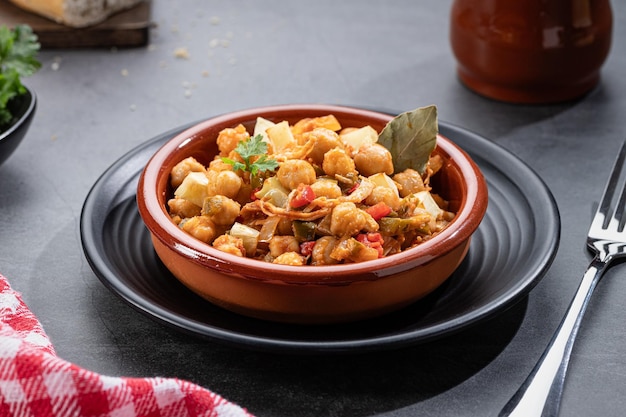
(540, 394)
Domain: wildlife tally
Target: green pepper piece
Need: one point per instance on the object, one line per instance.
(303, 231)
(395, 225)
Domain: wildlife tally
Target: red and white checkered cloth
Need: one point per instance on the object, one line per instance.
(34, 382)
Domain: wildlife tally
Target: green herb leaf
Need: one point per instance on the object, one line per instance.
(249, 149)
(411, 137)
(18, 50)
(252, 147)
(263, 164)
(10, 86)
(236, 164)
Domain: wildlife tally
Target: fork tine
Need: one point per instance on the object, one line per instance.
(609, 193)
(617, 222)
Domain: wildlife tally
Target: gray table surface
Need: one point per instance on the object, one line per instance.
(96, 105)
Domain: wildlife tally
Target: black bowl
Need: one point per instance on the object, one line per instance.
(23, 109)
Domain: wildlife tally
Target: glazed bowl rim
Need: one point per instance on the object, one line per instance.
(161, 227)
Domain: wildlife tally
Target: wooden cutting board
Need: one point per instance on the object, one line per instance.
(129, 28)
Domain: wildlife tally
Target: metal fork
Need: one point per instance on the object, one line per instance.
(540, 394)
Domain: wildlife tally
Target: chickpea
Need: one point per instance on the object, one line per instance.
(230, 244)
(385, 195)
(228, 138)
(338, 162)
(183, 208)
(221, 210)
(290, 258)
(218, 165)
(226, 183)
(200, 227)
(184, 167)
(322, 250)
(303, 125)
(282, 244)
(212, 176)
(374, 158)
(410, 182)
(348, 220)
(326, 188)
(294, 172)
(324, 139)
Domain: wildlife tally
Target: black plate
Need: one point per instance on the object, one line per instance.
(510, 252)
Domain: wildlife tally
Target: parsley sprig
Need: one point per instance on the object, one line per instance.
(18, 50)
(254, 154)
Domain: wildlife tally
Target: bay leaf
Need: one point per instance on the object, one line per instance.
(410, 137)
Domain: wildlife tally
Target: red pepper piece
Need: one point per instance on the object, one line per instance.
(306, 248)
(304, 195)
(372, 240)
(353, 188)
(378, 210)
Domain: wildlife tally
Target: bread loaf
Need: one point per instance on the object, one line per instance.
(75, 13)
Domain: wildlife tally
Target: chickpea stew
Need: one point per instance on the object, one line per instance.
(310, 193)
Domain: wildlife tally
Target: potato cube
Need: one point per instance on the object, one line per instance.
(383, 180)
(357, 138)
(280, 135)
(194, 188)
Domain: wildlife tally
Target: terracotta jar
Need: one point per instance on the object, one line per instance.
(531, 51)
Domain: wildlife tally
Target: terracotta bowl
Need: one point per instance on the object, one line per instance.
(308, 294)
(23, 110)
(531, 51)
